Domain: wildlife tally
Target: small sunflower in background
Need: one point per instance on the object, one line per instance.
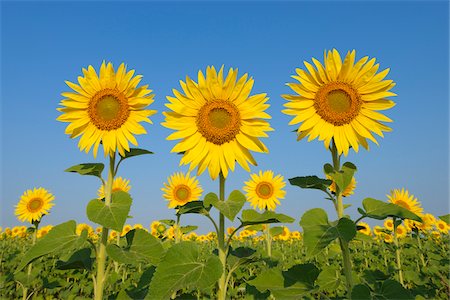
(340, 100)
(181, 189)
(404, 199)
(106, 109)
(349, 189)
(401, 231)
(442, 226)
(264, 190)
(34, 204)
(119, 184)
(83, 226)
(389, 224)
(217, 121)
(366, 228)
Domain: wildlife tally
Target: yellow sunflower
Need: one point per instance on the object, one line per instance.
(389, 224)
(349, 189)
(119, 184)
(366, 229)
(442, 226)
(265, 190)
(33, 204)
(83, 226)
(217, 121)
(106, 108)
(339, 100)
(403, 199)
(181, 189)
(378, 230)
(401, 231)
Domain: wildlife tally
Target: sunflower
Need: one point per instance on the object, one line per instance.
(181, 189)
(217, 122)
(378, 230)
(127, 228)
(33, 204)
(403, 199)
(119, 184)
(442, 226)
(106, 109)
(389, 224)
(366, 229)
(44, 230)
(401, 231)
(349, 189)
(285, 235)
(83, 226)
(339, 100)
(264, 190)
(388, 238)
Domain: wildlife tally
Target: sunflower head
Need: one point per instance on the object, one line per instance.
(34, 204)
(217, 121)
(401, 231)
(106, 109)
(366, 228)
(264, 190)
(82, 226)
(119, 184)
(181, 189)
(405, 200)
(388, 238)
(389, 224)
(378, 230)
(338, 100)
(442, 226)
(349, 189)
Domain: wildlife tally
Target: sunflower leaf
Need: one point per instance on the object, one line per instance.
(377, 209)
(93, 169)
(311, 182)
(343, 177)
(229, 208)
(111, 216)
(252, 217)
(62, 237)
(135, 152)
(194, 207)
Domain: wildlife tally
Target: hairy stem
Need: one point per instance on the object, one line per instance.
(222, 292)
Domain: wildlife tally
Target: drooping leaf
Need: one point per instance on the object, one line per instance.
(135, 152)
(229, 208)
(318, 233)
(182, 267)
(142, 247)
(252, 217)
(80, 259)
(111, 216)
(62, 237)
(194, 207)
(377, 209)
(311, 182)
(93, 169)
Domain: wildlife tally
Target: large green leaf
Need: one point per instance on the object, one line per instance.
(290, 284)
(392, 289)
(111, 216)
(61, 238)
(445, 218)
(194, 207)
(142, 247)
(318, 232)
(80, 259)
(329, 279)
(87, 169)
(360, 292)
(182, 267)
(229, 208)
(377, 209)
(252, 217)
(311, 182)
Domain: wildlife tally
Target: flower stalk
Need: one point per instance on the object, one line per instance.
(397, 254)
(222, 292)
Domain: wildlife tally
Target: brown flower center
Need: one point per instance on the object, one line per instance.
(35, 205)
(264, 190)
(219, 121)
(182, 193)
(337, 103)
(108, 109)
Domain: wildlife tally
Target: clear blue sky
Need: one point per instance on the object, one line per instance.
(45, 43)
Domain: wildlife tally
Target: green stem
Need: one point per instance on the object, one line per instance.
(177, 230)
(347, 263)
(397, 254)
(222, 292)
(101, 253)
(419, 242)
(268, 241)
(30, 266)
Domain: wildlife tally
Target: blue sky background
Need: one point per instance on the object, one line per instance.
(45, 43)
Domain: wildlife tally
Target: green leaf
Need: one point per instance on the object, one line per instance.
(113, 216)
(135, 152)
(445, 218)
(392, 289)
(182, 267)
(377, 209)
(168, 222)
(342, 177)
(194, 207)
(80, 259)
(290, 284)
(61, 238)
(229, 208)
(360, 292)
(187, 229)
(318, 233)
(329, 279)
(252, 217)
(142, 247)
(311, 182)
(274, 231)
(87, 169)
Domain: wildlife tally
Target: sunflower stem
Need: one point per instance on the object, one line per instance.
(419, 242)
(177, 230)
(101, 253)
(30, 266)
(268, 240)
(347, 263)
(397, 254)
(222, 292)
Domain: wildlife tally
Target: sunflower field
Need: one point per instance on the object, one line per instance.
(217, 124)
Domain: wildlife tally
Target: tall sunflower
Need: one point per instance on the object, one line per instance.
(33, 204)
(106, 108)
(263, 190)
(217, 121)
(119, 184)
(403, 199)
(181, 189)
(339, 100)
